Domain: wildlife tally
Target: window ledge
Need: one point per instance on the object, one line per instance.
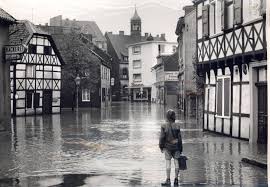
(223, 117)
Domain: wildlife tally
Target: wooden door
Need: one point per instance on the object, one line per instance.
(262, 113)
(47, 102)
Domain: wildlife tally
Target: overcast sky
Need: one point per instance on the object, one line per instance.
(158, 16)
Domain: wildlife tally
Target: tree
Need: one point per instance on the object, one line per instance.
(79, 60)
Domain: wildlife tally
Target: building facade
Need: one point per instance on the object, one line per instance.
(166, 72)
(85, 27)
(36, 78)
(117, 48)
(5, 21)
(231, 55)
(188, 93)
(142, 57)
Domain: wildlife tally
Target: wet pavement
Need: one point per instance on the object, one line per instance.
(117, 147)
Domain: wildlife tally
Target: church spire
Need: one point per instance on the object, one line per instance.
(135, 24)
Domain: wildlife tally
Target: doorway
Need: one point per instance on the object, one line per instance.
(262, 113)
(47, 102)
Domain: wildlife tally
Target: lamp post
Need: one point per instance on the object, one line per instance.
(77, 82)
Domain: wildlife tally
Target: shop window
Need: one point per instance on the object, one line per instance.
(85, 95)
(223, 98)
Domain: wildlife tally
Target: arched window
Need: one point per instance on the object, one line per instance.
(125, 73)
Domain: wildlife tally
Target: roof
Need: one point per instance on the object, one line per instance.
(94, 52)
(23, 31)
(120, 42)
(6, 17)
(170, 62)
(136, 17)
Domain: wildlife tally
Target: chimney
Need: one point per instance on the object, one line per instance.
(158, 35)
(146, 34)
(46, 24)
(121, 33)
(109, 32)
(163, 36)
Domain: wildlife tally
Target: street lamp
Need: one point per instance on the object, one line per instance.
(77, 82)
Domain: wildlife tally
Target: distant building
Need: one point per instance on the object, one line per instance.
(36, 78)
(166, 71)
(101, 95)
(117, 48)
(186, 31)
(231, 57)
(5, 21)
(85, 27)
(142, 57)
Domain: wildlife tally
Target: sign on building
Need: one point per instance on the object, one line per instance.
(171, 76)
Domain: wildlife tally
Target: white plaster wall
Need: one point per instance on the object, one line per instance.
(245, 124)
(205, 121)
(218, 124)
(262, 74)
(235, 126)
(235, 98)
(212, 93)
(211, 122)
(245, 107)
(226, 126)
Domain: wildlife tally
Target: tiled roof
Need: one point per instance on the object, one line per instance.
(4, 16)
(120, 42)
(22, 32)
(91, 27)
(169, 61)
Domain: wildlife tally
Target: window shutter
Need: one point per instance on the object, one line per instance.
(237, 5)
(219, 96)
(263, 7)
(223, 16)
(227, 90)
(205, 20)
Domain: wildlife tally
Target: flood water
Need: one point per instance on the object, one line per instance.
(117, 147)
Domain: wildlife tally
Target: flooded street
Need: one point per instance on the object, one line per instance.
(116, 147)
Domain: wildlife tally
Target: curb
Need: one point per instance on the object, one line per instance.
(255, 162)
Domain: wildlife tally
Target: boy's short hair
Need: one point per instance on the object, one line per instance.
(170, 115)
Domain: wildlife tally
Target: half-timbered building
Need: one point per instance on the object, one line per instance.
(36, 78)
(231, 56)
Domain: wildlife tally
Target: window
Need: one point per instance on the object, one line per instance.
(29, 71)
(137, 64)
(32, 49)
(136, 27)
(136, 49)
(85, 95)
(223, 97)
(161, 49)
(47, 50)
(125, 73)
(174, 49)
(125, 58)
(205, 20)
(103, 94)
(137, 77)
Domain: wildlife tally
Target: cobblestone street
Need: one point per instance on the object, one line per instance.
(117, 147)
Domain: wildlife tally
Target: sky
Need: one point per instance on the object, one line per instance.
(158, 16)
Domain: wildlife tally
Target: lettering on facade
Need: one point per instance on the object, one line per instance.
(171, 76)
(14, 52)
